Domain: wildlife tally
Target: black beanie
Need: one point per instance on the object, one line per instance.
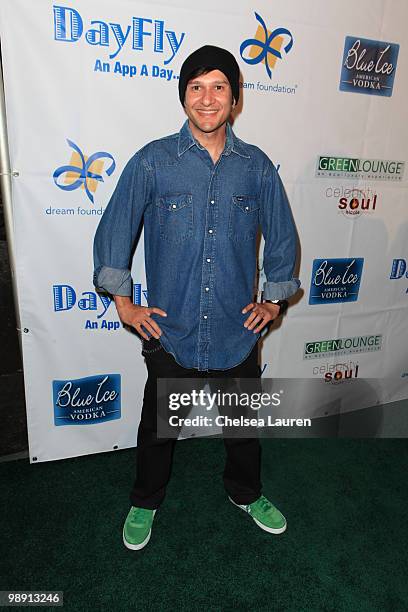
(210, 57)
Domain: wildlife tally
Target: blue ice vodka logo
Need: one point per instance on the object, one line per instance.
(84, 401)
(335, 280)
(368, 66)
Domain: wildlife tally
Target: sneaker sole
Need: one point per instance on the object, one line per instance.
(261, 525)
(137, 546)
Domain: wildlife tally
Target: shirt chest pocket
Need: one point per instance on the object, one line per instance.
(244, 217)
(175, 213)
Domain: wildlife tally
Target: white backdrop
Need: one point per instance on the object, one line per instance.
(99, 78)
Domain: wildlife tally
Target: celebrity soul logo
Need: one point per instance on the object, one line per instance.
(83, 401)
(82, 171)
(353, 202)
(340, 374)
(335, 280)
(266, 46)
(357, 203)
(368, 66)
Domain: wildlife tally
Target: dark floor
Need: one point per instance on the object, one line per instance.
(345, 547)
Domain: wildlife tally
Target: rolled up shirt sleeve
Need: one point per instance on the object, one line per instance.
(278, 230)
(116, 233)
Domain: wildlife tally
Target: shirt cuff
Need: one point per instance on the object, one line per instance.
(113, 281)
(280, 291)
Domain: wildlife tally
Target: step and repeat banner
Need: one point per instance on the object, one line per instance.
(324, 90)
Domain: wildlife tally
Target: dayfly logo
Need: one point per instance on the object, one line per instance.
(83, 401)
(69, 27)
(66, 297)
(368, 66)
(360, 168)
(318, 349)
(83, 172)
(399, 269)
(335, 280)
(266, 46)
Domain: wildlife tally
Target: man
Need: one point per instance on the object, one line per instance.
(202, 194)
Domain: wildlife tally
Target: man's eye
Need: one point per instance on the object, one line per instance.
(219, 87)
(195, 87)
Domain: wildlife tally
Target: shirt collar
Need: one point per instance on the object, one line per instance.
(232, 144)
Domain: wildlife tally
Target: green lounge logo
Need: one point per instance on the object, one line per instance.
(342, 346)
(360, 168)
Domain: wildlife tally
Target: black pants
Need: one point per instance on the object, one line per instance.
(154, 455)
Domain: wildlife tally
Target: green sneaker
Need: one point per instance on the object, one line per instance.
(265, 515)
(138, 528)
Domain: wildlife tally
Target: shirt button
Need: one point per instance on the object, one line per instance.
(174, 205)
(208, 260)
(246, 207)
(205, 317)
(207, 288)
(212, 202)
(210, 231)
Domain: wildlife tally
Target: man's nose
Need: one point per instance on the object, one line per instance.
(208, 96)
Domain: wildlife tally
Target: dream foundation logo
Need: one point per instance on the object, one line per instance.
(84, 172)
(266, 46)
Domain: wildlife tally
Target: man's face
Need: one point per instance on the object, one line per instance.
(208, 101)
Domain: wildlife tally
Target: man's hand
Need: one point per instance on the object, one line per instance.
(138, 316)
(260, 314)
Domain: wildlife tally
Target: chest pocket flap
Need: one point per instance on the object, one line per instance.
(175, 216)
(244, 217)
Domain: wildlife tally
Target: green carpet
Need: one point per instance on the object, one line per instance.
(345, 547)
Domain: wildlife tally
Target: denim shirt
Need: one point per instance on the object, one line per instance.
(200, 235)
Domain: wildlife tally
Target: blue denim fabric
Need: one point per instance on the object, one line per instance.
(200, 227)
